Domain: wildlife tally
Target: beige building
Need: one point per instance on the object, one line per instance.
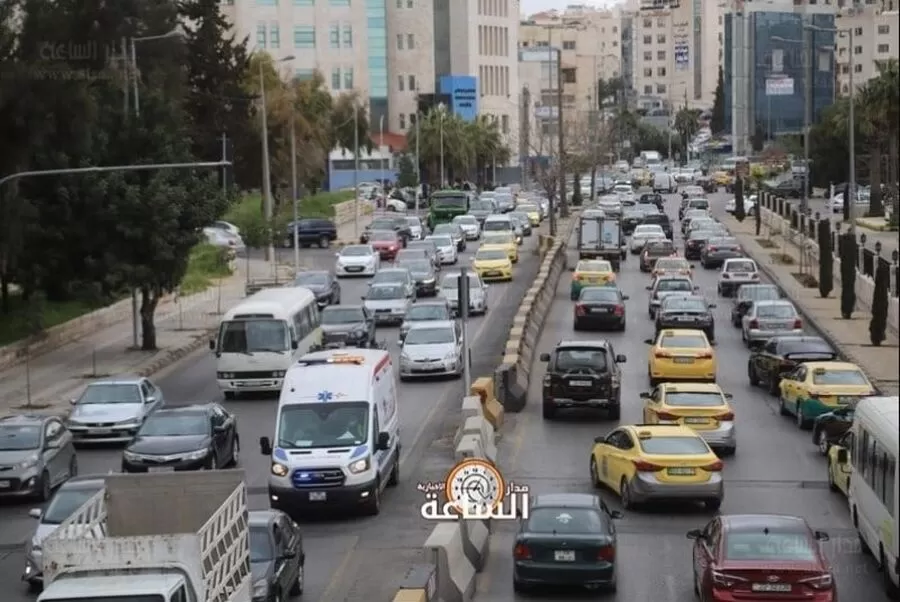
(876, 37)
(410, 59)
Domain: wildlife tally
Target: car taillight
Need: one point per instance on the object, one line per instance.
(662, 354)
(707, 355)
(606, 554)
(666, 416)
(754, 324)
(619, 310)
(579, 310)
(798, 324)
(711, 249)
(724, 580)
(642, 466)
(521, 552)
(714, 466)
(821, 582)
(726, 416)
(726, 276)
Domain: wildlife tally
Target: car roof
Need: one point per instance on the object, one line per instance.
(593, 343)
(194, 408)
(261, 518)
(365, 247)
(690, 387)
(770, 522)
(432, 324)
(119, 379)
(490, 247)
(663, 430)
(831, 366)
(773, 303)
(83, 482)
(307, 272)
(443, 302)
(568, 500)
(342, 306)
(392, 269)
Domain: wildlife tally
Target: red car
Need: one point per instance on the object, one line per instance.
(386, 243)
(761, 557)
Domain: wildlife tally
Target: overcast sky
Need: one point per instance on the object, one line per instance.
(534, 6)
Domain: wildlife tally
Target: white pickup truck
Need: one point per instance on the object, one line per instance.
(168, 537)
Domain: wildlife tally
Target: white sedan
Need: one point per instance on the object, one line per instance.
(837, 201)
(644, 233)
(357, 260)
(749, 204)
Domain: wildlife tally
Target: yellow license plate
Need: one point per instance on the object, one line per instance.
(681, 471)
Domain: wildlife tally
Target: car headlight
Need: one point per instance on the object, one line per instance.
(450, 357)
(29, 461)
(278, 374)
(196, 455)
(279, 470)
(131, 456)
(135, 422)
(405, 358)
(428, 281)
(360, 465)
(225, 375)
(260, 590)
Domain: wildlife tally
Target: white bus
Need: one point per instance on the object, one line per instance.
(259, 339)
(873, 482)
(651, 158)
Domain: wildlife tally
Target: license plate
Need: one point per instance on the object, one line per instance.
(602, 310)
(492, 273)
(161, 469)
(317, 496)
(681, 471)
(244, 383)
(771, 587)
(741, 275)
(5, 484)
(684, 319)
(696, 420)
(580, 383)
(684, 360)
(564, 555)
(101, 431)
(354, 269)
(845, 401)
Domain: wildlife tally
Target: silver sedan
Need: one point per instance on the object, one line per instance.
(432, 349)
(767, 319)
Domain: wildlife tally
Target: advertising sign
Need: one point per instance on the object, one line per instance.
(682, 56)
(779, 86)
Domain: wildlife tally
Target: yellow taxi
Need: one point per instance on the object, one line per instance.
(722, 178)
(839, 467)
(492, 263)
(532, 211)
(647, 462)
(681, 355)
(703, 407)
(590, 272)
(814, 388)
(675, 266)
(507, 240)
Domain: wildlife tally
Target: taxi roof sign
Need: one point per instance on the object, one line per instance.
(645, 435)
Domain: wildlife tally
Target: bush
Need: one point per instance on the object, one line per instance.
(205, 263)
(757, 213)
(849, 254)
(739, 212)
(826, 259)
(878, 324)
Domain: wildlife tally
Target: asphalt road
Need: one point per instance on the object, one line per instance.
(776, 469)
(340, 552)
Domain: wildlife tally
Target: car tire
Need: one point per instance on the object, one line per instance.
(576, 325)
(614, 412)
(803, 423)
(394, 478)
(73, 466)
(782, 407)
(713, 504)
(751, 375)
(373, 506)
(235, 459)
(595, 478)
(324, 241)
(213, 462)
(625, 495)
(822, 442)
(831, 484)
(548, 411)
(229, 395)
(519, 587)
(297, 586)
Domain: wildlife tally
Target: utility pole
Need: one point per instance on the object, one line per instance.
(267, 179)
(525, 144)
(224, 169)
(356, 170)
(851, 192)
(563, 201)
(295, 202)
(807, 118)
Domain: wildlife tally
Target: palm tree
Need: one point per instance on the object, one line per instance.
(443, 134)
(487, 146)
(879, 101)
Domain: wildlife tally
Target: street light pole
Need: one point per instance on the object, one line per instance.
(356, 170)
(851, 192)
(381, 161)
(295, 201)
(177, 32)
(267, 180)
(807, 117)
(441, 136)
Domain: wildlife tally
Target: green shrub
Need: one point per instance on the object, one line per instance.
(880, 302)
(849, 254)
(826, 259)
(205, 263)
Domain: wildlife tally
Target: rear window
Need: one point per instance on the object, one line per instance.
(594, 266)
(776, 311)
(769, 546)
(566, 521)
(678, 303)
(581, 359)
(678, 446)
(686, 341)
(839, 377)
(600, 294)
(759, 292)
(806, 348)
(740, 266)
(693, 399)
(674, 285)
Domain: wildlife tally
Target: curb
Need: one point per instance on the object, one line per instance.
(875, 227)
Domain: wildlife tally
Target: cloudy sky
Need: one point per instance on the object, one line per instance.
(533, 6)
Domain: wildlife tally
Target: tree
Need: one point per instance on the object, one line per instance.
(717, 122)
(880, 300)
(686, 123)
(826, 259)
(880, 103)
(406, 172)
(739, 212)
(849, 252)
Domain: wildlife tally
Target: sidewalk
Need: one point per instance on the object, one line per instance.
(850, 337)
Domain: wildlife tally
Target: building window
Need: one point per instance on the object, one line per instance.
(857, 68)
(410, 41)
(304, 36)
(858, 31)
(648, 89)
(267, 2)
(410, 3)
(348, 78)
(648, 71)
(334, 35)
(648, 23)
(274, 36)
(648, 55)
(845, 68)
(661, 71)
(412, 119)
(660, 88)
(400, 82)
(884, 29)
(335, 78)
(411, 80)
(304, 74)
(348, 36)
(261, 35)
(402, 121)
(339, 2)
(399, 41)
(648, 39)
(857, 50)
(661, 38)
(568, 45)
(504, 124)
(304, 2)
(660, 55)
(884, 48)
(660, 22)
(569, 76)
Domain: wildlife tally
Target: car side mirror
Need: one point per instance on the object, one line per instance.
(545, 357)
(842, 456)
(35, 513)
(625, 297)
(600, 439)
(695, 534)
(73, 401)
(287, 556)
(649, 288)
(729, 396)
(822, 536)
(150, 399)
(616, 514)
(572, 268)
(712, 305)
(384, 441)
(212, 345)
(220, 428)
(696, 288)
(645, 395)
(294, 344)
(363, 297)
(621, 359)
(265, 446)
(648, 341)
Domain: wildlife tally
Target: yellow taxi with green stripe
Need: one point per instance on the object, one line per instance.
(657, 462)
(814, 388)
(591, 272)
(502, 238)
(492, 263)
(703, 407)
(532, 211)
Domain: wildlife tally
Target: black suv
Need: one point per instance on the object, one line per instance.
(347, 326)
(660, 219)
(311, 231)
(583, 374)
(396, 223)
(686, 311)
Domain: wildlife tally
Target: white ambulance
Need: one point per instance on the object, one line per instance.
(337, 433)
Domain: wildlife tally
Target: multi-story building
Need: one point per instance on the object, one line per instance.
(410, 54)
(876, 38)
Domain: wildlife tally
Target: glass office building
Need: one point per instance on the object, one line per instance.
(777, 84)
(376, 32)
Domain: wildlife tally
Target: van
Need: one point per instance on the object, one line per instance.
(498, 223)
(337, 433)
(663, 181)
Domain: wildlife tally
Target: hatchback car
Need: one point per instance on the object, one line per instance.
(277, 557)
(703, 407)
(696, 241)
(642, 234)
(524, 221)
(396, 275)
(322, 284)
(388, 302)
(347, 325)
(660, 219)
(478, 293)
(426, 247)
(425, 311)
(767, 319)
(653, 250)
(446, 248)
(36, 456)
(735, 273)
(357, 260)
(386, 243)
(423, 273)
(112, 410)
(416, 229)
(582, 374)
(455, 232)
(686, 311)
(433, 348)
(469, 225)
(718, 250)
(747, 294)
(192, 437)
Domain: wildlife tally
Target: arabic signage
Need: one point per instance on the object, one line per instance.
(463, 93)
(779, 86)
(682, 55)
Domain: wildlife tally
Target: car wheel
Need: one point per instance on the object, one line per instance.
(549, 411)
(782, 407)
(831, 484)
(213, 462)
(822, 442)
(235, 452)
(373, 508)
(803, 423)
(394, 478)
(614, 412)
(773, 385)
(230, 395)
(713, 504)
(751, 375)
(519, 587)
(576, 325)
(625, 495)
(595, 478)
(297, 587)
(324, 242)
(43, 489)
(276, 597)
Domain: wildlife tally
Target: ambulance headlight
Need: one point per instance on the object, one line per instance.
(360, 466)
(279, 470)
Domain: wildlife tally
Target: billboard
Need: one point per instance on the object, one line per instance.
(779, 86)
(463, 93)
(682, 55)
(538, 55)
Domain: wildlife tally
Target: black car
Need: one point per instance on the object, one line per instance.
(567, 539)
(630, 219)
(600, 306)
(696, 242)
(277, 557)
(422, 270)
(395, 223)
(652, 198)
(780, 355)
(746, 295)
(193, 437)
(686, 311)
(717, 250)
(660, 219)
(582, 374)
(311, 231)
(792, 188)
(323, 285)
(347, 326)
(831, 426)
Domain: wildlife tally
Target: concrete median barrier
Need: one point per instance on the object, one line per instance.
(483, 431)
(476, 536)
(418, 585)
(455, 572)
(492, 409)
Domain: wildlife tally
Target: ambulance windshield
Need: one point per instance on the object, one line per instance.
(326, 424)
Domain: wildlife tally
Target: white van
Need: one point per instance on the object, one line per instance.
(498, 223)
(872, 494)
(664, 182)
(260, 338)
(337, 433)
(649, 158)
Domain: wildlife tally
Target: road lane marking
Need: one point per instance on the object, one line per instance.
(338, 575)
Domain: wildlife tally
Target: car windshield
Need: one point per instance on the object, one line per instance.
(177, 424)
(449, 200)
(342, 315)
(839, 377)
(385, 292)
(497, 238)
(416, 266)
(672, 264)
(442, 241)
(356, 251)
(100, 393)
(261, 549)
(651, 233)
(383, 237)
(580, 359)
(782, 311)
(723, 242)
(566, 521)
(482, 205)
(465, 220)
(694, 399)
(528, 208)
(596, 293)
(684, 304)
(321, 425)
(490, 255)
(764, 545)
(66, 501)
(676, 446)
(315, 278)
(427, 312)
(594, 266)
(18, 437)
(660, 248)
(811, 347)
(390, 276)
(666, 285)
(759, 292)
(740, 266)
(683, 341)
(251, 336)
(633, 214)
(429, 336)
(452, 281)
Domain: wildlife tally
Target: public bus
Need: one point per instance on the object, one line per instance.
(872, 493)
